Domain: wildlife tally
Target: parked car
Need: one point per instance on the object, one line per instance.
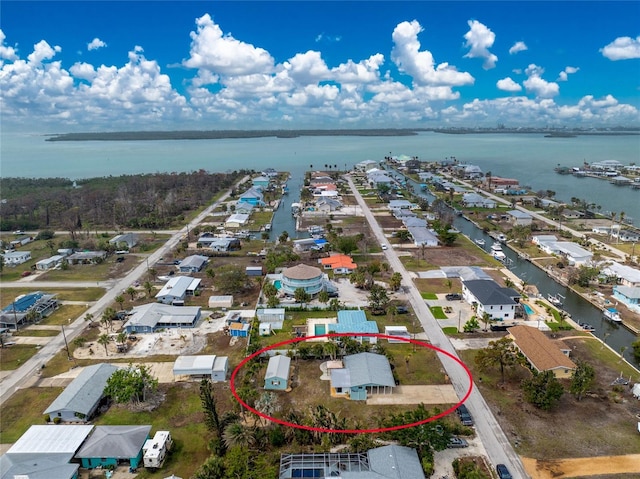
(455, 442)
(384, 246)
(503, 472)
(402, 310)
(453, 297)
(465, 415)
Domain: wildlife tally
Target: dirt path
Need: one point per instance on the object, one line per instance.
(582, 467)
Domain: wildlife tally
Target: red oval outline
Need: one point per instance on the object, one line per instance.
(348, 431)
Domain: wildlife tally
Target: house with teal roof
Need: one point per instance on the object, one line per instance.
(363, 374)
(355, 321)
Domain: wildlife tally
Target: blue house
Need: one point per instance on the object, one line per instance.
(111, 445)
(629, 295)
(277, 375)
(355, 321)
(260, 181)
(239, 330)
(252, 196)
(363, 374)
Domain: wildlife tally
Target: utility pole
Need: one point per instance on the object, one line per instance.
(66, 345)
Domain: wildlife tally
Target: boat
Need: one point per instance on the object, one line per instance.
(479, 241)
(586, 327)
(555, 300)
(497, 253)
(502, 238)
(612, 315)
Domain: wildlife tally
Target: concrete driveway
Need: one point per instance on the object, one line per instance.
(437, 394)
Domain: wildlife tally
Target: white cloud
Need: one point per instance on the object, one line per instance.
(84, 71)
(42, 51)
(324, 38)
(307, 68)
(517, 48)
(507, 84)
(95, 44)
(223, 54)
(409, 59)
(622, 48)
(564, 75)
(537, 85)
(479, 39)
(6, 53)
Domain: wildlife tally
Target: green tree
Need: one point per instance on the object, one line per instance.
(209, 406)
(501, 352)
(104, 340)
(269, 289)
(131, 291)
(120, 300)
(395, 281)
(378, 299)
(471, 325)
(79, 342)
(272, 302)
(131, 384)
(636, 350)
(236, 434)
(89, 317)
(284, 237)
(403, 235)
(231, 278)
(323, 297)
(582, 379)
(345, 244)
(543, 390)
(213, 468)
(148, 287)
(486, 319)
(301, 296)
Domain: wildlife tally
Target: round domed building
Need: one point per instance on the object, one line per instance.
(309, 278)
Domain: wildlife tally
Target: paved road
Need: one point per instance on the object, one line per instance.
(498, 448)
(15, 380)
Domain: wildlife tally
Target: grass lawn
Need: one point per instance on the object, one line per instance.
(437, 285)
(416, 264)
(12, 357)
(429, 295)
(63, 314)
(16, 418)
(180, 413)
(419, 366)
(437, 312)
(63, 294)
(37, 333)
(80, 272)
(450, 330)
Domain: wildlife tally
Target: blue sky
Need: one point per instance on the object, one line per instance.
(123, 65)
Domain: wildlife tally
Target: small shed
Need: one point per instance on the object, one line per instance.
(221, 301)
(202, 366)
(240, 330)
(265, 329)
(399, 332)
(254, 271)
(277, 375)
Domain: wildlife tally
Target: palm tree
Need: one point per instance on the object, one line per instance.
(236, 434)
(148, 287)
(131, 291)
(120, 300)
(486, 319)
(89, 317)
(104, 339)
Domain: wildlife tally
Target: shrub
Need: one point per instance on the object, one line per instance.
(57, 420)
(47, 418)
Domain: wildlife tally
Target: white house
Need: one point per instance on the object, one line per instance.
(14, 258)
(474, 200)
(128, 239)
(491, 298)
(520, 218)
(49, 263)
(395, 205)
(193, 263)
(236, 220)
(177, 289)
(626, 275)
(575, 254)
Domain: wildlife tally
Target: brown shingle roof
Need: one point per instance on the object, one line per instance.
(539, 350)
(302, 271)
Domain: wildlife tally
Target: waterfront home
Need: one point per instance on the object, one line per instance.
(489, 297)
(625, 275)
(628, 295)
(499, 182)
(396, 205)
(260, 182)
(542, 353)
(108, 446)
(539, 239)
(328, 205)
(571, 214)
(124, 241)
(14, 258)
(222, 245)
(386, 462)
(474, 200)
(339, 263)
(627, 236)
(236, 220)
(520, 218)
(252, 196)
(471, 172)
(206, 366)
(362, 374)
(269, 172)
(277, 374)
(244, 208)
(606, 165)
(150, 317)
(365, 165)
(79, 401)
(574, 253)
(45, 451)
(193, 263)
(177, 289)
(50, 263)
(423, 236)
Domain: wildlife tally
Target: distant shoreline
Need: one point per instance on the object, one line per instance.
(240, 134)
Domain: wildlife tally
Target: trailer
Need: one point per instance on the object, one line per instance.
(155, 450)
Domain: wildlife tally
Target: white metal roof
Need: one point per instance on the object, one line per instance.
(58, 439)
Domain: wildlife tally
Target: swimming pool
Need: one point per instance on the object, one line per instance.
(528, 309)
(320, 329)
(277, 283)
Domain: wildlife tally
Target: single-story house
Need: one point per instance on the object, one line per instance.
(355, 321)
(365, 165)
(270, 315)
(252, 196)
(520, 218)
(540, 239)
(385, 462)
(491, 298)
(474, 200)
(269, 172)
(277, 375)
(328, 205)
(49, 263)
(16, 313)
(574, 253)
(628, 295)
(244, 208)
(45, 451)
(363, 374)
(626, 275)
(193, 263)
(423, 236)
(261, 181)
(80, 399)
(177, 289)
(542, 353)
(625, 235)
(236, 220)
(225, 301)
(220, 244)
(111, 445)
(86, 257)
(339, 263)
(14, 258)
(147, 318)
(204, 366)
(127, 239)
(23, 240)
(400, 205)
